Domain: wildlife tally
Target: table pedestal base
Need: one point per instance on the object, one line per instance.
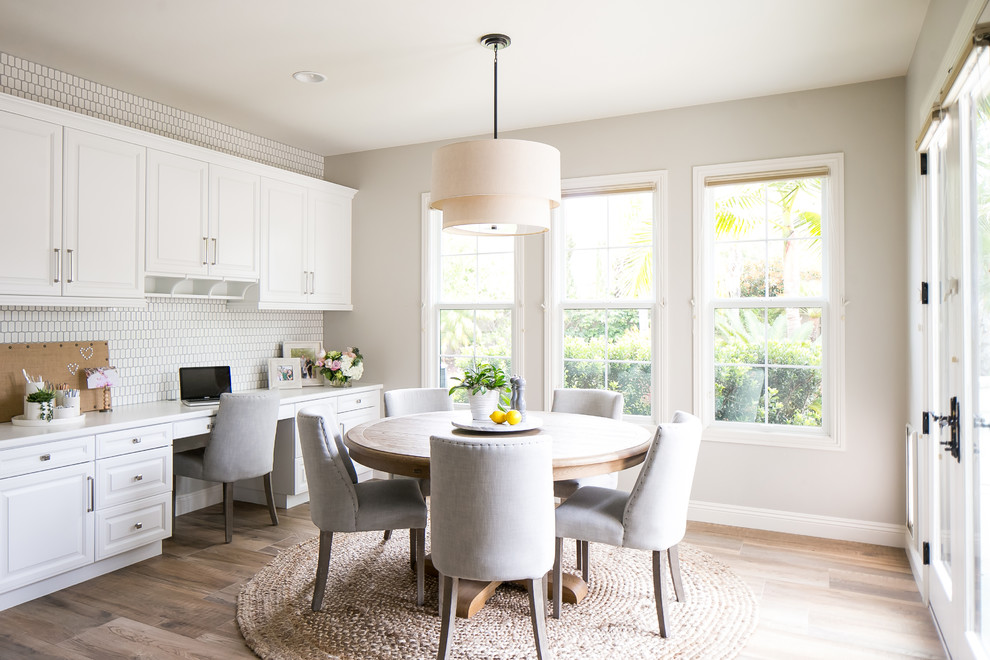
(473, 594)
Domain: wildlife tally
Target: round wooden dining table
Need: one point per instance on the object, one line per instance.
(583, 445)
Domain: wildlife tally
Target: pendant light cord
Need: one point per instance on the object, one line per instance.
(495, 131)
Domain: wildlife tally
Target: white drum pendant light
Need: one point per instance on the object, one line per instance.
(496, 187)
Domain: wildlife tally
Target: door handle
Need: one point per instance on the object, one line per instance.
(58, 265)
(68, 280)
(952, 421)
(206, 251)
(214, 252)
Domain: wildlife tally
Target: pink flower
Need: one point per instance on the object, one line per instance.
(335, 365)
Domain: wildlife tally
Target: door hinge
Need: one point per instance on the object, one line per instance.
(924, 423)
(926, 553)
(924, 164)
(924, 293)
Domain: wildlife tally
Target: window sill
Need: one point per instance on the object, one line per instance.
(810, 439)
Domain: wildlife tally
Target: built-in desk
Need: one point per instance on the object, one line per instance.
(83, 501)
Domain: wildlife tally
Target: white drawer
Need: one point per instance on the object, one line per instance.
(131, 440)
(130, 477)
(359, 401)
(25, 460)
(190, 427)
(130, 526)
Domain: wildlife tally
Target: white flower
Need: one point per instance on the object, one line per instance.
(354, 371)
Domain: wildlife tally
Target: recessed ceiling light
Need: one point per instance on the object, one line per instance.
(309, 76)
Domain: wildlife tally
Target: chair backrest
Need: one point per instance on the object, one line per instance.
(655, 517)
(333, 503)
(600, 403)
(491, 509)
(242, 442)
(412, 400)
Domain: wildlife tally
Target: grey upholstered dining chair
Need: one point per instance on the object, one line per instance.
(491, 518)
(241, 446)
(413, 400)
(652, 517)
(600, 403)
(338, 503)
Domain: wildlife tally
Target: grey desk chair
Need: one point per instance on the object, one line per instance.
(652, 517)
(412, 401)
(491, 516)
(600, 403)
(241, 446)
(338, 503)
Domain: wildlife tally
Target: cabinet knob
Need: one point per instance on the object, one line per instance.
(136, 441)
(138, 477)
(46, 457)
(138, 525)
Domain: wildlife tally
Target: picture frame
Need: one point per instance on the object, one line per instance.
(284, 373)
(307, 352)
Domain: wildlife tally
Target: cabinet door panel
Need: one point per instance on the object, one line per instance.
(234, 223)
(178, 215)
(104, 217)
(46, 524)
(330, 219)
(284, 276)
(30, 205)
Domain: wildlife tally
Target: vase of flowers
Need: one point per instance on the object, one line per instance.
(341, 367)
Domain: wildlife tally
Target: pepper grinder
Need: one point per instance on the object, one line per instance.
(518, 398)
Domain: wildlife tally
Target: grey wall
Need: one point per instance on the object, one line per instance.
(866, 122)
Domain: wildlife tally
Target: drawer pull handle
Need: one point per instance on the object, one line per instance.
(138, 525)
(46, 457)
(138, 477)
(136, 441)
(209, 427)
(357, 401)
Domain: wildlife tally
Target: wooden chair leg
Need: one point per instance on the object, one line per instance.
(538, 613)
(322, 569)
(270, 496)
(660, 589)
(577, 554)
(420, 561)
(558, 577)
(387, 535)
(448, 614)
(228, 511)
(412, 549)
(585, 562)
(675, 574)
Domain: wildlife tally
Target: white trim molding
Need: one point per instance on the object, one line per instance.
(805, 524)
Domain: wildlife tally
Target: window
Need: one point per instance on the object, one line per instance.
(606, 294)
(769, 282)
(470, 295)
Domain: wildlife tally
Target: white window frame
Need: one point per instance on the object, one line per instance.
(432, 226)
(554, 279)
(830, 436)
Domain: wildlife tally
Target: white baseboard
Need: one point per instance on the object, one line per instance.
(198, 499)
(805, 524)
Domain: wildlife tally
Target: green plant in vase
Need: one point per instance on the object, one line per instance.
(46, 398)
(486, 387)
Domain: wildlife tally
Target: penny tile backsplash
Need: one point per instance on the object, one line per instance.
(149, 345)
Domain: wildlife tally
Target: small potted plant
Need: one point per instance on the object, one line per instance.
(485, 384)
(41, 404)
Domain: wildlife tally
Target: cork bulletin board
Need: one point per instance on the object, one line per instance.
(56, 362)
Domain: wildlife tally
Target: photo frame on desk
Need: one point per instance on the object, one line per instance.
(284, 374)
(307, 352)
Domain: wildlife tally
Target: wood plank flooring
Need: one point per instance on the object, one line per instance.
(818, 598)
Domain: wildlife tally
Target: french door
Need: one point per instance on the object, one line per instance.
(958, 356)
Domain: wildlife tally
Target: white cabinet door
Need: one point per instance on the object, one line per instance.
(330, 242)
(30, 205)
(103, 233)
(284, 276)
(46, 524)
(235, 229)
(178, 215)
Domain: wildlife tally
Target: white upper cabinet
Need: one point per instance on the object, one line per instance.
(178, 215)
(31, 206)
(330, 245)
(203, 219)
(285, 275)
(103, 232)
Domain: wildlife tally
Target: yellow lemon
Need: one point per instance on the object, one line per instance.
(513, 417)
(498, 416)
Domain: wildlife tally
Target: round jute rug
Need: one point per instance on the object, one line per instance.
(370, 609)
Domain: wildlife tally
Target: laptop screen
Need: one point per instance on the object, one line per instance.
(203, 383)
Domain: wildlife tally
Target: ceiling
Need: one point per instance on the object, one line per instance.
(404, 72)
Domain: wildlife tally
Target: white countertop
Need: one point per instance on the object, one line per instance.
(158, 412)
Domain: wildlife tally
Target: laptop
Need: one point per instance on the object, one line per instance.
(202, 386)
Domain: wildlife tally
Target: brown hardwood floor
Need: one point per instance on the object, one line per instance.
(818, 598)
